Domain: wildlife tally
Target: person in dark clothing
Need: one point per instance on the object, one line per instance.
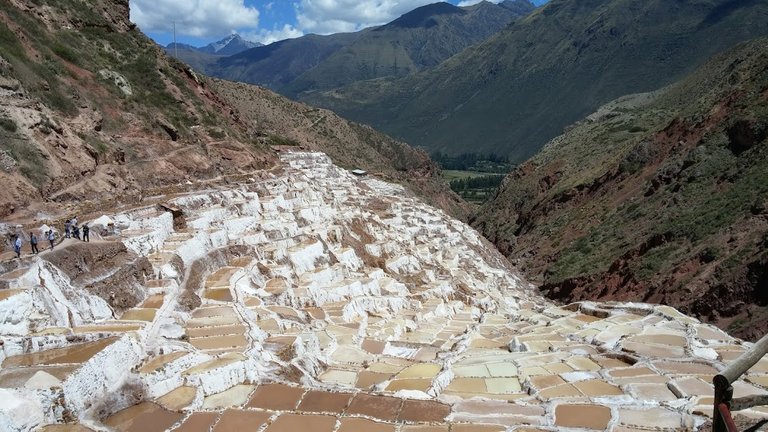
(67, 226)
(51, 238)
(86, 230)
(33, 243)
(76, 232)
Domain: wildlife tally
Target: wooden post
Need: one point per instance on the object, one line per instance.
(742, 364)
(729, 375)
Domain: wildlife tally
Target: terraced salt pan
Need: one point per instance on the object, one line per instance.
(352, 306)
(73, 354)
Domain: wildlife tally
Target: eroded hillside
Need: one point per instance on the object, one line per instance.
(92, 110)
(656, 197)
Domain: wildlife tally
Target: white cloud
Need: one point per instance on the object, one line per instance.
(332, 16)
(198, 18)
(268, 36)
(474, 2)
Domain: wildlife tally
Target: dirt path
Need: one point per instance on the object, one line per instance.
(45, 247)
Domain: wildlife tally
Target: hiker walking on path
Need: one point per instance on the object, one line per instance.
(33, 243)
(76, 232)
(67, 226)
(17, 246)
(51, 238)
(86, 230)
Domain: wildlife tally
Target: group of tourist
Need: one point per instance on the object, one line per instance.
(71, 230)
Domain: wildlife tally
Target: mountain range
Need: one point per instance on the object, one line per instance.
(519, 88)
(230, 45)
(418, 40)
(199, 57)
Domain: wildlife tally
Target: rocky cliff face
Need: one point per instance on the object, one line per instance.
(657, 197)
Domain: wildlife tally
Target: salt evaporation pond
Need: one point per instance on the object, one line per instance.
(315, 300)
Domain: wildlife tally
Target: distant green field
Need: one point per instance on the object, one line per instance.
(453, 174)
(475, 187)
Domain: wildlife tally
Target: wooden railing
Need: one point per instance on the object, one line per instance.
(724, 402)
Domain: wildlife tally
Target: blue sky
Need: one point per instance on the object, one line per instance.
(199, 22)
